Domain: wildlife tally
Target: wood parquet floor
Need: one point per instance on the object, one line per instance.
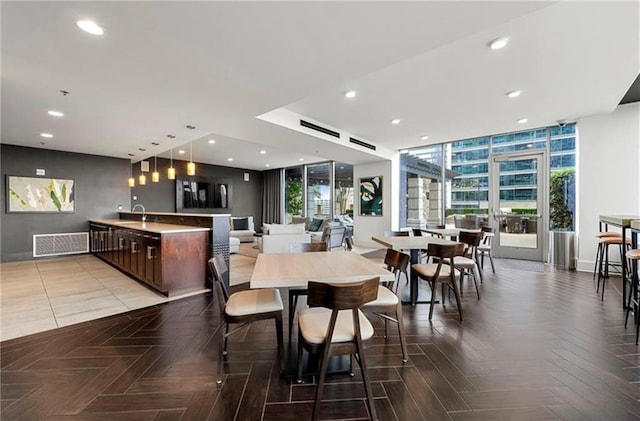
(536, 346)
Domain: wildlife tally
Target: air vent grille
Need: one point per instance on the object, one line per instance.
(319, 129)
(59, 244)
(363, 144)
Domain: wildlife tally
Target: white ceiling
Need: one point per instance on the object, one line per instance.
(219, 65)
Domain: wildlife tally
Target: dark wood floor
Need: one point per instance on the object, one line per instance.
(537, 346)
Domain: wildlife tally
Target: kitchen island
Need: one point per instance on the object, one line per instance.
(168, 252)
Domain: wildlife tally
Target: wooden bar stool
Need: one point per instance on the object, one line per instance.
(604, 264)
(633, 256)
(599, 236)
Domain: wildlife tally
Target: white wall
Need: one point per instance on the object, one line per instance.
(366, 226)
(608, 173)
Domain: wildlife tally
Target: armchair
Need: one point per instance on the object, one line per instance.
(242, 228)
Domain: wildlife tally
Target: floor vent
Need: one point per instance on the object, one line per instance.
(363, 144)
(319, 128)
(58, 244)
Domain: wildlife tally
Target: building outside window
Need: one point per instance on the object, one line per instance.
(466, 175)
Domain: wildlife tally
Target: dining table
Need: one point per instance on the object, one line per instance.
(295, 270)
(414, 245)
(452, 233)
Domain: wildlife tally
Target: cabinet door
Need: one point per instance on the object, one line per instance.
(126, 250)
(153, 268)
(137, 255)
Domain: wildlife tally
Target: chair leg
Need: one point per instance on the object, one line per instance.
(595, 264)
(433, 299)
(365, 377)
(475, 280)
(321, 377)
(280, 336)
(403, 339)
(299, 379)
(456, 293)
(293, 302)
(221, 351)
(493, 268)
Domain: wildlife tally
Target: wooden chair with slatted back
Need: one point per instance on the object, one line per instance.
(389, 301)
(441, 272)
(244, 307)
(335, 313)
(294, 293)
(467, 263)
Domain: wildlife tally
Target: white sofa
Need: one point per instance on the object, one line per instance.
(244, 235)
(276, 238)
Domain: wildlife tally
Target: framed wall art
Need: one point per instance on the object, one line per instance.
(371, 196)
(33, 194)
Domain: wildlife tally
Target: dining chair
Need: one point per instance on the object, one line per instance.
(334, 325)
(295, 292)
(485, 248)
(467, 262)
(244, 307)
(441, 272)
(333, 237)
(389, 301)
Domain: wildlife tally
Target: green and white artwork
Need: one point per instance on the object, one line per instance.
(371, 196)
(30, 194)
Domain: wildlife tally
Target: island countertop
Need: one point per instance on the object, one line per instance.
(154, 227)
(175, 213)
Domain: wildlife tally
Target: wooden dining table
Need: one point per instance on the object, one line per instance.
(288, 270)
(414, 245)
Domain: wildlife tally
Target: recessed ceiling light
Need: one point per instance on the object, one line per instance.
(395, 121)
(514, 94)
(300, 159)
(350, 94)
(498, 43)
(47, 135)
(181, 151)
(212, 141)
(229, 159)
(263, 152)
(56, 113)
(267, 165)
(90, 27)
(424, 137)
(522, 120)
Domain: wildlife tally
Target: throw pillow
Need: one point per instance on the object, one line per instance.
(315, 224)
(302, 220)
(240, 224)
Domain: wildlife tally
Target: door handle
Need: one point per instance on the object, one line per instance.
(150, 255)
(134, 247)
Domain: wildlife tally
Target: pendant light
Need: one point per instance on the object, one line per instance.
(155, 176)
(142, 179)
(191, 167)
(132, 182)
(171, 172)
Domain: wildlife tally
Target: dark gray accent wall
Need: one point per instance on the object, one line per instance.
(100, 185)
(245, 199)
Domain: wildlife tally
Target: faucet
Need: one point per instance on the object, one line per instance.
(144, 214)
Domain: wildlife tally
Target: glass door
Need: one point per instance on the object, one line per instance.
(518, 203)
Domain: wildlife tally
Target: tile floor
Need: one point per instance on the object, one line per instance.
(39, 295)
(43, 294)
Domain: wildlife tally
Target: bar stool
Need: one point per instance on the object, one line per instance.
(601, 235)
(633, 256)
(603, 266)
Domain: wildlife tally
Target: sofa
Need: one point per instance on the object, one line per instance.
(242, 228)
(276, 238)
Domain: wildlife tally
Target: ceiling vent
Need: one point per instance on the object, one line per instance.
(319, 129)
(363, 144)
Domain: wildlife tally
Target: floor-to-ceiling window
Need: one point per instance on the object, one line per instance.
(462, 199)
(293, 192)
(343, 189)
(319, 190)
